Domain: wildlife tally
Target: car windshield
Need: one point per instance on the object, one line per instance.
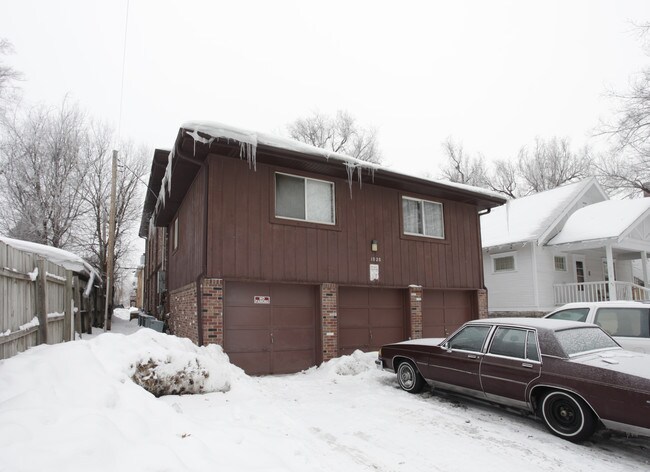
(580, 340)
(572, 314)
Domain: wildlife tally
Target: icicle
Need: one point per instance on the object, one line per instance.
(359, 175)
(197, 138)
(249, 151)
(349, 167)
(371, 171)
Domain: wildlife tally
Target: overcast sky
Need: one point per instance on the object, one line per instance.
(492, 74)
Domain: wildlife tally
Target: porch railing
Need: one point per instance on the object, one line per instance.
(598, 292)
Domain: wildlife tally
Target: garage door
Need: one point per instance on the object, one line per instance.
(270, 328)
(369, 318)
(445, 310)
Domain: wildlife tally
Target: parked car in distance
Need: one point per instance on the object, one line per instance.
(626, 321)
(571, 374)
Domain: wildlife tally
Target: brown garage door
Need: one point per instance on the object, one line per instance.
(277, 337)
(445, 310)
(369, 318)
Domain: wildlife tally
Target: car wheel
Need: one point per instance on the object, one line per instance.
(409, 378)
(567, 416)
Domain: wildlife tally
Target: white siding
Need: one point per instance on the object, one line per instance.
(513, 290)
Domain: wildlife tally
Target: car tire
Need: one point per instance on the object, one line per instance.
(567, 416)
(408, 377)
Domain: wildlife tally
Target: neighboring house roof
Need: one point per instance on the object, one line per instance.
(196, 140)
(55, 255)
(532, 218)
(612, 219)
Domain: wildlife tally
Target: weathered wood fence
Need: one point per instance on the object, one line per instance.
(41, 302)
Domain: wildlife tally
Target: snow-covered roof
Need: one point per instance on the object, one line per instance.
(528, 218)
(250, 139)
(610, 219)
(58, 256)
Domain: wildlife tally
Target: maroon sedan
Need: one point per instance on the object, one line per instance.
(572, 374)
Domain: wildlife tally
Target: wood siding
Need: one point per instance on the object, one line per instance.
(245, 241)
(186, 261)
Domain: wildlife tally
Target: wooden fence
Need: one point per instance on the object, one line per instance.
(41, 302)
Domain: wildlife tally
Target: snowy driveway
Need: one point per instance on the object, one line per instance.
(73, 407)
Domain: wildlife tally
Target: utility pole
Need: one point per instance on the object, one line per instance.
(110, 269)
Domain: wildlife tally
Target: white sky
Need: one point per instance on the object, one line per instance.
(493, 74)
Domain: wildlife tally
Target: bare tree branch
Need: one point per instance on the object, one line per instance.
(340, 134)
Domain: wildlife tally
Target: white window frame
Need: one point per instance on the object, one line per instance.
(442, 218)
(306, 220)
(555, 258)
(502, 255)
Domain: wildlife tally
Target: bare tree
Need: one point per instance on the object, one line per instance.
(551, 164)
(340, 134)
(8, 76)
(626, 170)
(132, 166)
(504, 179)
(461, 167)
(42, 165)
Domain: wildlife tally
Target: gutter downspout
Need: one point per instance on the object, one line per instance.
(204, 257)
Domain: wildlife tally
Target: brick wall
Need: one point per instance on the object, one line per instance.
(182, 318)
(329, 321)
(415, 311)
(212, 311)
(482, 304)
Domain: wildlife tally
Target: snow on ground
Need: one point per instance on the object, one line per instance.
(73, 407)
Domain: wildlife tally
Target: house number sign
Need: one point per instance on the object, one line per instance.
(261, 299)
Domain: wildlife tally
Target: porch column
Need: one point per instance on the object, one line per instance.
(644, 264)
(610, 272)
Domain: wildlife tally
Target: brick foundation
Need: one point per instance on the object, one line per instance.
(212, 311)
(329, 320)
(182, 318)
(482, 304)
(415, 311)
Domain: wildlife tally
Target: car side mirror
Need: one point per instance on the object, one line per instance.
(446, 347)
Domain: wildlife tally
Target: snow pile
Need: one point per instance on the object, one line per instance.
(356, 363)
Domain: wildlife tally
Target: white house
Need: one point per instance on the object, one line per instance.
(560, 246)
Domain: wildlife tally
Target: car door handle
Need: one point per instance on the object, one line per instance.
(527, 365)
(472, 356)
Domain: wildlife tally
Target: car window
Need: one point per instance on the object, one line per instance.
(572, 314)
(631, 322)
(532, 352)
(509, 342)
(470, 338)
(578, 340)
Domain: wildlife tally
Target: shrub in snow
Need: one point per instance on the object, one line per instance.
(164, 379)
(174, 366)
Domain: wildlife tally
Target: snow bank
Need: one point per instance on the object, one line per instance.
(356, 363)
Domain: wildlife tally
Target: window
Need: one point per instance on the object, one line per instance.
(422, 218)
(510, 342)
(504, 262)
(301, 198)
(532, 351)
(572, 314)
(470, 338)
(631, 322)
(560, 263)
(175, 234)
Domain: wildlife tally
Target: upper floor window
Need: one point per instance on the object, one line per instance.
(423, 218)
(305, 199)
